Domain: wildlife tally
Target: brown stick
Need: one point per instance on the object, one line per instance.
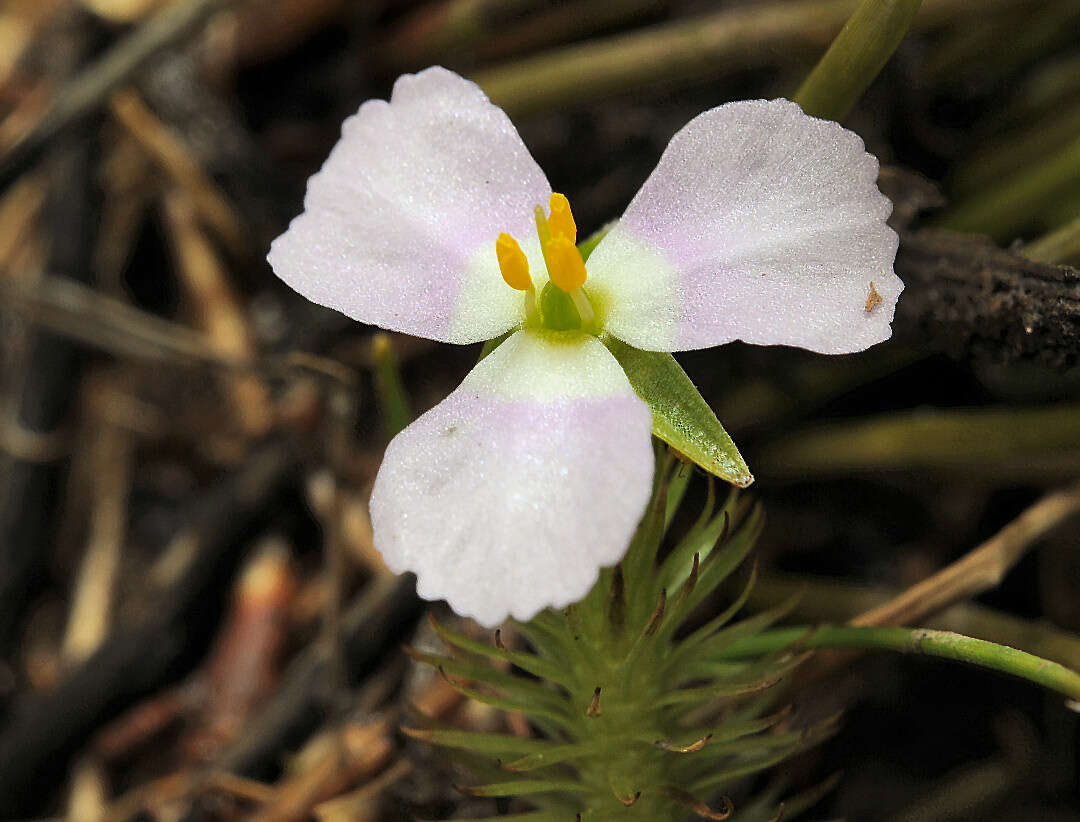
(91, 614)
(167, 149)
(88, 91)
(44, 729)
(980, 570)
(217, 308)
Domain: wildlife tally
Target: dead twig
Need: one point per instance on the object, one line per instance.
(966, 295)
(45, 729)
(43, 379)
(90, 617)
(980, 570)
(87, 92)
(332, 764)
(168, 150)
(217, 310)
(373, 624)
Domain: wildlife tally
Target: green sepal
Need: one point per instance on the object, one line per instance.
(681, 417)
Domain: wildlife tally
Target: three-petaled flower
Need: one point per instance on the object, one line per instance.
(759, 223)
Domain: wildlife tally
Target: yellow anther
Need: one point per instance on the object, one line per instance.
(561, 222)
(565, 266)
(513, 263)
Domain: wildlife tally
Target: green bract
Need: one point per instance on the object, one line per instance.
(681, 417)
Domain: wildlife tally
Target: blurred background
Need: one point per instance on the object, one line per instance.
(194, 624)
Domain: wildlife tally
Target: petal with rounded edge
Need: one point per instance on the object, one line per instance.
(759, 223)
(399, 226)
(511, 494)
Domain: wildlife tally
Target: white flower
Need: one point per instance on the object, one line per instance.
(759, 223)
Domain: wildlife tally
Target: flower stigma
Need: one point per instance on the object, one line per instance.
(562, 305)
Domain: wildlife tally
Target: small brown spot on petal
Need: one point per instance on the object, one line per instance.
(872, 299)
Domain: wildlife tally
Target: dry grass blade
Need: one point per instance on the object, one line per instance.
(104, 322)
(217, 309)
(980, 570)
(167, 149)
(91, 612)
(87, 92)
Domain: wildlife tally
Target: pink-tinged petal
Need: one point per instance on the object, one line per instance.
(511, 494)
(759, 224)
(399, 225)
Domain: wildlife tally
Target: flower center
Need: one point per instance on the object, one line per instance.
(562, 304)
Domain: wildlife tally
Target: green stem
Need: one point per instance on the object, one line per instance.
(1032, 31)
(1018, 148)
(943, 644)
(390, 391)
(856, 56)
(826, 600)
(1038, 442)
(745, 37)
(1019, 201)
(486, 29)
(1059, 247)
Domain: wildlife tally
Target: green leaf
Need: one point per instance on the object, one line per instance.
(530, 691)
(942, 644)
(554, 755)
(532, 709)
(693, 655)
(722, 779)
(522, 787)
(681, 417)
(719, 690)
(721, 563)
(527, 662)
(499, 745)
(722, 735)
(390, 393)
(529, 816)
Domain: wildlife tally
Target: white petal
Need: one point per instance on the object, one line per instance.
(399, 225)
(760, 224)
(511, 494)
